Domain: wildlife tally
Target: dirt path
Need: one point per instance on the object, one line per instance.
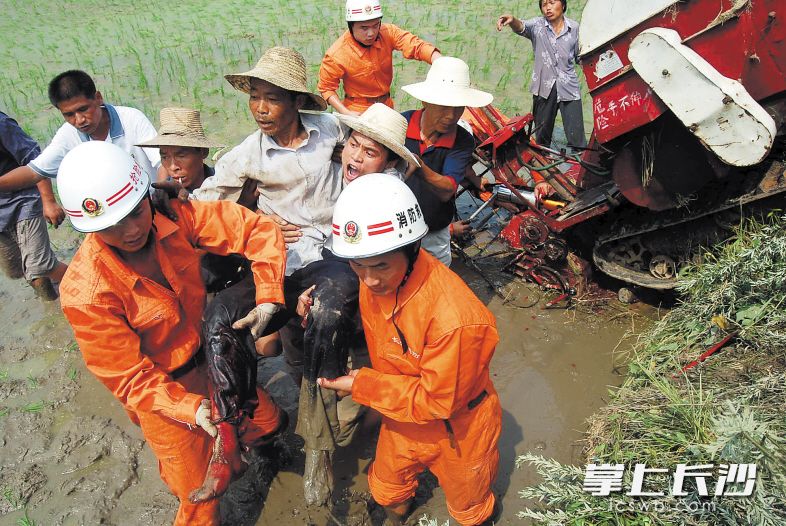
(69, 455)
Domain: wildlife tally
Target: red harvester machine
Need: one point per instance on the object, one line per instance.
(689, 107)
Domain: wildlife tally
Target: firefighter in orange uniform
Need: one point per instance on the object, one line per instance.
(363, 59)
(430, 340)
(134, 297)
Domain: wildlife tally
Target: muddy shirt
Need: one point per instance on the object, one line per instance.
(555, 58)
(300, 185)
(16, 149)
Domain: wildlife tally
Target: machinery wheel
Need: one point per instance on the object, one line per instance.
(555, 250)
(533, 230)
(663, 267)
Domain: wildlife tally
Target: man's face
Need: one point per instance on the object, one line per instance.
(381, 274)
(184, 164)
(366, 32)
(552, 9)
(132, 233)
(275, 109)
(362, 156)
(444, 119)
(82, 113)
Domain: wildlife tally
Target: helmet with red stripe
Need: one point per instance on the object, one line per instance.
(99, 185)
(376, 214)
(361, 10)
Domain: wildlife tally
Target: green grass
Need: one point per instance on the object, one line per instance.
(150, 54)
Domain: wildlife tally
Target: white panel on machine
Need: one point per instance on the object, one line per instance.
(604, 20)
(716, 109)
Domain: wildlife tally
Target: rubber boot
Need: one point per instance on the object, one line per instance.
(225, 465)
(44, 289)
(317, 477)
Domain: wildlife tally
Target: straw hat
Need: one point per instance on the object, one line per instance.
(283, 67)
(180, 127)
(447, 84)
(384, 125)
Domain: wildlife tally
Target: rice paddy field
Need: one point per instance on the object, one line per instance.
(149, 54)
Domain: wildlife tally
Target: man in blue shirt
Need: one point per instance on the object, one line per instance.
(444, 147)
(24, 240)
(555, 85)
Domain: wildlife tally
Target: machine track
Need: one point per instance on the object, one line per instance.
(649, 249)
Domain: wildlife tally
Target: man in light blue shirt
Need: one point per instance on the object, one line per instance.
(555, 85)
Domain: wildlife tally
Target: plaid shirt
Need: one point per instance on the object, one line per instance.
(555, 58)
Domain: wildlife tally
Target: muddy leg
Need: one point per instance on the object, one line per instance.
(225, 464)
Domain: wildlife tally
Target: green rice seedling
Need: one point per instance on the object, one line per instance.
(4, 374)
(33, 407)
(4, 411)
(12, 498)
(25, 520)
(73, 374)
(32, 381)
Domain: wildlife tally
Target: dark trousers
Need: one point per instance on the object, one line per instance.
(545, 112)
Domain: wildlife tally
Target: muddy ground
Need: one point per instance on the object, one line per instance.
(70, 456)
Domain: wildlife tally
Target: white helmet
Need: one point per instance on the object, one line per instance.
(362, 10)
(376, 214)
(100, 184)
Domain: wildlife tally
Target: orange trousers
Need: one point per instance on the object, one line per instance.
(183, 454)
(465, 473)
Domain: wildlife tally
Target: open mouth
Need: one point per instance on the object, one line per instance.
(351, 173)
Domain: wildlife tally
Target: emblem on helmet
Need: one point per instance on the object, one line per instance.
(367, 9)
(351, 232)
(92, 207)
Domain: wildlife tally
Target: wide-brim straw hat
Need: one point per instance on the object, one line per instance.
(180, 127)
(447, 84)
(284, 68)
(384, 125)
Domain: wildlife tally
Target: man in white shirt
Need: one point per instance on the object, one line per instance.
(87, 118)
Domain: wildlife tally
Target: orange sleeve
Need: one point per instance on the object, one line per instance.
(410, 45)
(111, 350)
(240, 231)
(330, 74)
(451, 369)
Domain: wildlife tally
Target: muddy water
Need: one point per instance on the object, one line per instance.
(70, 455)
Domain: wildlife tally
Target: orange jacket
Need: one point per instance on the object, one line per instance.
(451, 337)
(367, 72)
(132, 331)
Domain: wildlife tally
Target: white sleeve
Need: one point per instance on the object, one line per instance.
(227, 182)
(145, 131)
(48, 161)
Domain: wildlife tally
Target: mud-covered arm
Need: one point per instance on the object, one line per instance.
(112, 352)
(451, 374)
(223, 228)
(411, 46)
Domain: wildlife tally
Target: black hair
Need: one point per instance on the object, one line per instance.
(564, 5)
(70, 84)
